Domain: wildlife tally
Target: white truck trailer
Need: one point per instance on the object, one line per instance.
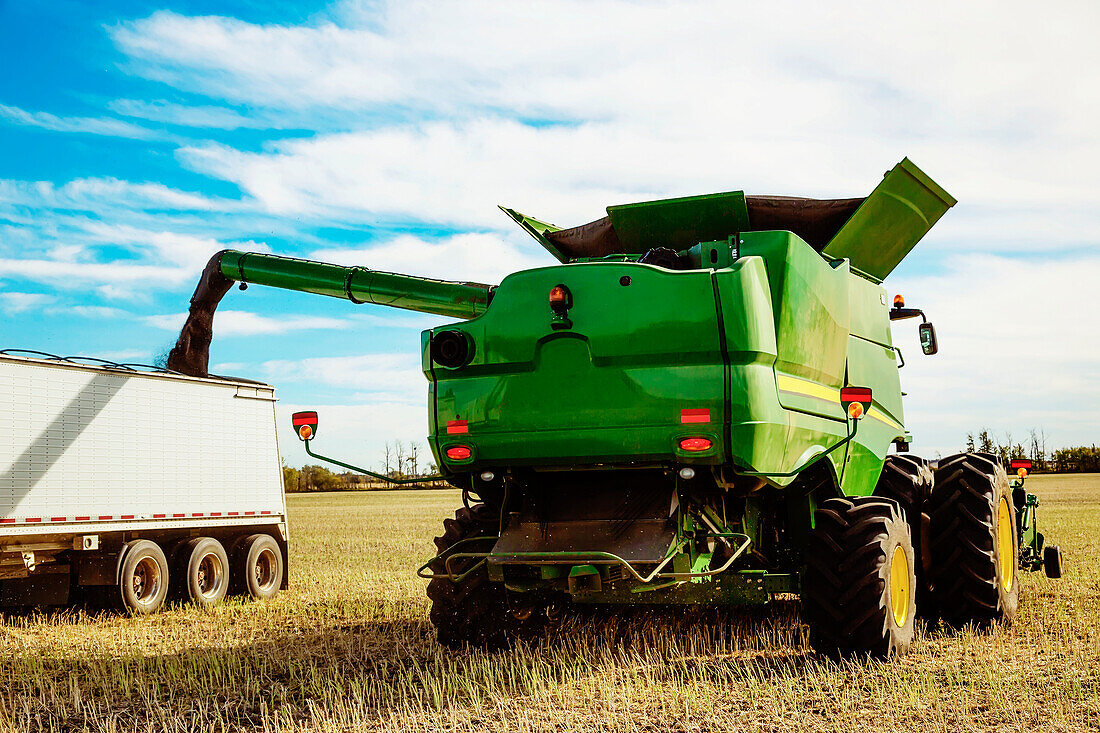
(157, 484)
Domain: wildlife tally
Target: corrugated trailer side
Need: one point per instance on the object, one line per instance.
(99, 463)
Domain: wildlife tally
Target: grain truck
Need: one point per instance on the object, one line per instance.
(694, 405)
(136, 483)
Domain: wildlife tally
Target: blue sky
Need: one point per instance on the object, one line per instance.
(136, 139)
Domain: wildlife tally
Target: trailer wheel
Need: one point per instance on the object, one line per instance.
(143, 577)
(260, 566)
(475, 611)
(858, 587)
(207, 572)
(908, 480)
(975, 548)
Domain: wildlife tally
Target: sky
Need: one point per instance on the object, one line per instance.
(137, 139)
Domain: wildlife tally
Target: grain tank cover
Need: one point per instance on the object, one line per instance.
(890, 222)
(874, 233)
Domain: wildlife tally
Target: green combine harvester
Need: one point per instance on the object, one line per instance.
(694, 406)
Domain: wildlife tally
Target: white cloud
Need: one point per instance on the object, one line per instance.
(203, 116)
(13, 303)
(396, 376)
(1017, 350)
(91, 194)
(475, 257)
(87, 125)
(243, 323)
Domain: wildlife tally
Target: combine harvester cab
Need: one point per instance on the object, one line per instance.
(695, 405)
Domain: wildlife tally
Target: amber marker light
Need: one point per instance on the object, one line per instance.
(1021, 472)
(305, 432)
(855, 410)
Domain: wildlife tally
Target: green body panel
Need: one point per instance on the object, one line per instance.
(679, 223)
(609, 389)
(764, 345)
(890, 222)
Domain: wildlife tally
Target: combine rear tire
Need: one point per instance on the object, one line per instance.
(975, 548)
(474, 611)
(857, 590)
(908, 480)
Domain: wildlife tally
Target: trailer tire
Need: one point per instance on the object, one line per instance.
(975, 546)
(143, 577)
(908, 480)
(476, 611)
(857, 589)
(207, 571)
(259, 567)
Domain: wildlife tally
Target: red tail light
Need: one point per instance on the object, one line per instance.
(695, 444)
(457, 427)
(459, 453)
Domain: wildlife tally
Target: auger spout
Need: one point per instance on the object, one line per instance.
(191, 353)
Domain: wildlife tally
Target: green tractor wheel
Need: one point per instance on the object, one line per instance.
(975, 548)
(858, 588)
(475, 611)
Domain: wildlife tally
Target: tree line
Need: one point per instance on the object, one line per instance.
(399, 461)
(1074, 459)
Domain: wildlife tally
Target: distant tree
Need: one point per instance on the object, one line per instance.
(291, 478)
(985, 442)
(970, 443)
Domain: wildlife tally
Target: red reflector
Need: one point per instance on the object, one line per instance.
(459, 453)
(692, 416)
(303, 418)
(855, 394)
(457, 427)
(695, 444)
(1021, 463)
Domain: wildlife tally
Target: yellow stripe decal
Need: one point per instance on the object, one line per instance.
(882, 417)
(806, 388)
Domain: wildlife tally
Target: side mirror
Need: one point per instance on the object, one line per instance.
(305, 425)
(928, 343)
(856, 401)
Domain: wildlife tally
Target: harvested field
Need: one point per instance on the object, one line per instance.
(349, 647)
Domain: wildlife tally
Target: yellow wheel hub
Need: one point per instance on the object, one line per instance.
(1005, 542)
(900, 588)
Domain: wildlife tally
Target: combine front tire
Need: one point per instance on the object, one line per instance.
(975, 549)
(857, 590)
(908, 480)
(473, 611)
